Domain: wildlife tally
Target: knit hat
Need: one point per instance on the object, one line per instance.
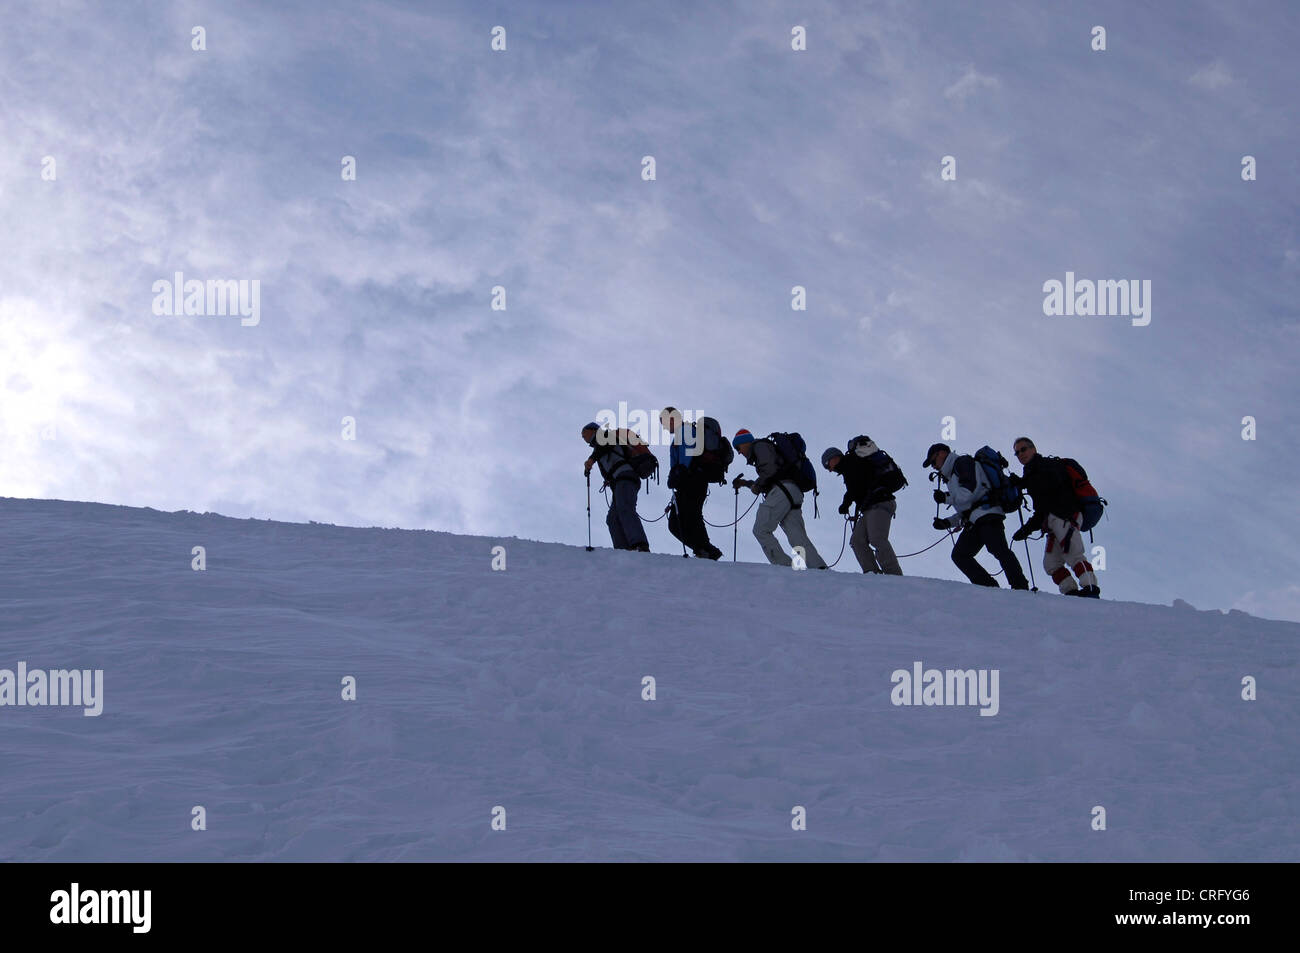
(934, 448)
(741, 438)
(830, 454)
(591, 426)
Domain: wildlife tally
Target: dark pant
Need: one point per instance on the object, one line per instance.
(987, 533)
(687, 523)
(624, 524)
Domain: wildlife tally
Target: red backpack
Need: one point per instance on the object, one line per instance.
(1091, 505)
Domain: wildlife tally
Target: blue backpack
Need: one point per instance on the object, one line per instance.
(795, 465)
(1002, 492)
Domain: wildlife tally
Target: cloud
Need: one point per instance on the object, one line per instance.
(971, 82)
(1212, 76)
(1281, 603)
(522, 169)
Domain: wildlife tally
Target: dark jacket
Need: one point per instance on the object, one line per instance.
(860, 482)
(1049, 486)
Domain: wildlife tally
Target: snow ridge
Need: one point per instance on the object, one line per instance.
(524, 689)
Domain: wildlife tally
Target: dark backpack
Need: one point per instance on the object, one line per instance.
(632, 449)
(1091, 505)
(1002, 493)
(884, 471)
(645, 463)
(795, 465)
(716, 453)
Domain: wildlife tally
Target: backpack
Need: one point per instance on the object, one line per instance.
(637, 454)
(1002, 493)
(884, 470)
(795, 465)
(1091, 505)
(862, 445)
(716, 453)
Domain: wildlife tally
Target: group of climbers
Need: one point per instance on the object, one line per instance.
(977, 488)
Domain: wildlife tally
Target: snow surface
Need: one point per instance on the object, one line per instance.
(522, 688)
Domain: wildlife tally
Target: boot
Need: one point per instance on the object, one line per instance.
(1091, 592)
(641, 548)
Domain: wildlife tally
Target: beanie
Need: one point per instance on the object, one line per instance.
(742, 437)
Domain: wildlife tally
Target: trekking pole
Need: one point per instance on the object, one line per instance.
(671, 507)
(1033, 583)
(734, 531)
(589, 547)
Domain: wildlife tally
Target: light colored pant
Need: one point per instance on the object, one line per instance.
(871, 531)
(1056, 558)
(774, 511)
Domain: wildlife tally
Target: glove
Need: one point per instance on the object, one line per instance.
(940, 496)
(586, 467)
(738, 482)
(941, 524)
(753, 487)
(1022, 533)
(844, 508)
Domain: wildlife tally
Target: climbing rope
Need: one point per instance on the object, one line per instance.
(843, 542)
(736, 520)
(931, 546)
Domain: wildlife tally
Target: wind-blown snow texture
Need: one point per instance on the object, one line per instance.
(522, 689)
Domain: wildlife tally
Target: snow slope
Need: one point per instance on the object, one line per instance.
(522, 689)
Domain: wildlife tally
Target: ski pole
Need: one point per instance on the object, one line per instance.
(734, 531)
(672, 508)
(589, 546)
(1033, 583)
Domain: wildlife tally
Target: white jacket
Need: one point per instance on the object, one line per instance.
(960, 498)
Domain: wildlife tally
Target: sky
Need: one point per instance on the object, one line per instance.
(129, 156)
